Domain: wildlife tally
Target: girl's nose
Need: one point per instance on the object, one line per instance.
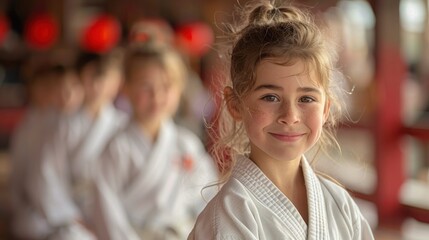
(157, 95)
(289, 114)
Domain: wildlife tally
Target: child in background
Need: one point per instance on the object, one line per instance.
(152, 173)
(195, 102)
(67, 95)
(281, 102)
(53, 92)
(69, 160)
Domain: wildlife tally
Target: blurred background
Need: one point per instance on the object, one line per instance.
(383, 48)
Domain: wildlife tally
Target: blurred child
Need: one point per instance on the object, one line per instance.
(53, 91)
(195, 101)
(152, 173)
(68, 162)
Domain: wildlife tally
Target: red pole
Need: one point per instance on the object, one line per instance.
(390, 73)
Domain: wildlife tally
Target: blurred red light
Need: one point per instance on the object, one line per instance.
(41, 31)
(4, 27)
(102, 34)
(195, 38)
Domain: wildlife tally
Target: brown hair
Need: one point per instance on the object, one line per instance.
(100, 62)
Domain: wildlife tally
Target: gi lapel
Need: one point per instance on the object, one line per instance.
(156, 164)
(83, 159)
(92, 143)
(267, 193)
(317, 227)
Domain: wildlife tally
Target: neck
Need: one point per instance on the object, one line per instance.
(150, 128)
(286, 175)
(94, 108)
(289, 179)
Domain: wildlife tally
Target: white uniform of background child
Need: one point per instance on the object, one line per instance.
(70, 160)
(53, 92)
(152, 173)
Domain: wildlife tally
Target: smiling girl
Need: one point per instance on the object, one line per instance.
(281, 104)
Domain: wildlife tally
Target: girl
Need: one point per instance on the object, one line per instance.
(69, 161)
(153, 171)
(282, 104)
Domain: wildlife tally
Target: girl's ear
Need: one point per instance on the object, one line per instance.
(232, 103)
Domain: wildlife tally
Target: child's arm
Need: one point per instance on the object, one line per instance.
(362, 230)
(203, 174)
(50, 191)
(230, 215)
(110, 218)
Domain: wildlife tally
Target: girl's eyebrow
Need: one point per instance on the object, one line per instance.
(268, 86)
(309, 89)
(276, 87)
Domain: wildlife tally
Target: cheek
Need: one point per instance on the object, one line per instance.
(173, 95)
(140, 99)
(173, 99)
(314, 120)
(113, 86)
(257, 116)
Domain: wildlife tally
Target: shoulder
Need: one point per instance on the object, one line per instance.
(75, 122)
(335, 188)
(127, 140)
(190, 142)
(338, 196)
(336, 192)
(72, 128)
(188, 136)
(117, 152)
(231, 212)
(121, 117)
(235, 198)
(121, 139)
(77, 118)
(117, 148)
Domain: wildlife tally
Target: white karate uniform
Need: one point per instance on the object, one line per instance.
(250, 206)
(152, 191)
(26, 151)
(64, 180)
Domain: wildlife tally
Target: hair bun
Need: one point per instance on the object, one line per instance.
(267, 12)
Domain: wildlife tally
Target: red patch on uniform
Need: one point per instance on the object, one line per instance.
(187, 163)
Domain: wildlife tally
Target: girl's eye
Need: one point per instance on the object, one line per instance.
(270, 98)
(306, 99)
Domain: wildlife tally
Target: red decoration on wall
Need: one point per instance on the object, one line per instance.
(102, 34)
(4, 27)
(41, 31)
(195, 38)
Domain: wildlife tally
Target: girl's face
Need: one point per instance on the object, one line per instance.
(284, 112)
(152, 94)
(66, 92)
(104, 88)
